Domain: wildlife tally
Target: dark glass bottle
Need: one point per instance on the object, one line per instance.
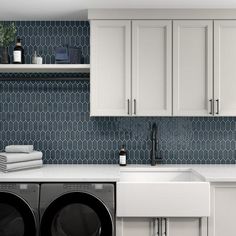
(122, 156)
(18, 53)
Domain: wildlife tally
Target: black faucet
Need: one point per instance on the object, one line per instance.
(154, 157)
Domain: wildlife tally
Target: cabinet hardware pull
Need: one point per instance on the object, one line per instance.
(163, 230)
(211, 106)
(156, 227)
(217, 106)
(134, 106)
(128, 105)
(165, 226)
(159, 227)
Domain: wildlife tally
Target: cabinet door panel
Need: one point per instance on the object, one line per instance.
(134, 227)
(222, 221)
(110, 68)
(186, 227)
(192, 68)
(151, 67)
(225, 69)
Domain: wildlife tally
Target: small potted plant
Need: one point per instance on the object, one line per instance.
(7, 36)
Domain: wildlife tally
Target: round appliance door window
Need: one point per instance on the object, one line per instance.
(11, 221)
(76, 214)
(76, 219)
(16, 218)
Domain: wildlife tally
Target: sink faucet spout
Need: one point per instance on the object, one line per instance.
(154, 157)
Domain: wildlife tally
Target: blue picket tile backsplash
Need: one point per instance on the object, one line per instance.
(44, 36)
(54, 115)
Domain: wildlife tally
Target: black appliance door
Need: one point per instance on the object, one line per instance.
(76, 214)
(16, 217)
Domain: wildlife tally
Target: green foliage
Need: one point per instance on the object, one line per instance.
(7, 34)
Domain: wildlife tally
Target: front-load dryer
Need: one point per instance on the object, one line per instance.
(19, 209)
(77, 209)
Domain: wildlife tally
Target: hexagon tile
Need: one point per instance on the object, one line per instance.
(44, 36)
(54, 116)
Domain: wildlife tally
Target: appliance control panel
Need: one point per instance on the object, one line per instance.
(77, 187)
(4, 187)
(18, 188)
(95, 187)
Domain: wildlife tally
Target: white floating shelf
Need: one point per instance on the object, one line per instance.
(48, 68)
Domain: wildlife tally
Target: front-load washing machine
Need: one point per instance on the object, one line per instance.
(19, 209)
(77, 209)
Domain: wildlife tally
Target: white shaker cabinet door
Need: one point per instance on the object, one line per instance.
(225, 67)
(135, 226)
(223, 208)
(152, 67)
(186, 227)
(192, 68)
(110, 91)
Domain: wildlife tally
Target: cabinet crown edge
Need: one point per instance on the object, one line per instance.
(161, 14)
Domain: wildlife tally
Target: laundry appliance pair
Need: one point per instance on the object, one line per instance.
(57, 209)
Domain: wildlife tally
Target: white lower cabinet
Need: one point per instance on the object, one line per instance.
(223, 208)
(136, 226)
(186, 227)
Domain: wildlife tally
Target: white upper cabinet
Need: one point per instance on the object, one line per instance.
(131, 68)
(110, 91)
(192, 68)
(225, 67)
(112, 74)
(152, 67)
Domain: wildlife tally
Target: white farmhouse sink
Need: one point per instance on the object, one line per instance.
(169, 175)
(162, 192)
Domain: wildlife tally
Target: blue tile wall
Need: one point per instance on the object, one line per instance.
(54, 116)
(44, 36)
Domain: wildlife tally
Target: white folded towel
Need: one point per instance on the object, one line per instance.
(19, 148)
(20, 157)
(21, 165)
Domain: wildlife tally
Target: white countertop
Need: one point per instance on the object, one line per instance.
(64, 173)
(217, 173)
(111, 173)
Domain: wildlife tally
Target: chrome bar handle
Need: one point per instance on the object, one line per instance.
(156, 227)
(217, 106)
(160, 226)
(211, 106)
(165, 233)
(135, 109)
(128, 105)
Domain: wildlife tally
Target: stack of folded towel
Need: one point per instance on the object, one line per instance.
(19, 157)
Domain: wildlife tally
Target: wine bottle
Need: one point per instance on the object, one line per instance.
(18, 53)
